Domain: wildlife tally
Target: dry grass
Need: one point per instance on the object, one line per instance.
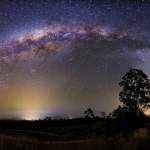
(85, 137)
(23, 143)
(102, 143)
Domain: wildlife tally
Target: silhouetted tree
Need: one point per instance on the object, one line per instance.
(119, 112)
(103, 114)
(135, 94)
(89, 113)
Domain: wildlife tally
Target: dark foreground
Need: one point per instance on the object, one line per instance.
(76, 134)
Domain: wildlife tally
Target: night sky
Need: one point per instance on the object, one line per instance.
(60, 57)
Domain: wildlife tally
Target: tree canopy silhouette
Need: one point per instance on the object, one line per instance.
(135, 94)
(89, 113)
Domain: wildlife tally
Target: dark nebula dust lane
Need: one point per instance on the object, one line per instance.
(58, 58)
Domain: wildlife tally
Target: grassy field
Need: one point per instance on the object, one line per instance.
(136, 141)
(80, 137)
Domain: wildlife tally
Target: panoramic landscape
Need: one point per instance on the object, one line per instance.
(74, 74)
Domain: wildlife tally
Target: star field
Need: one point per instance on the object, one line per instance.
(61, 57)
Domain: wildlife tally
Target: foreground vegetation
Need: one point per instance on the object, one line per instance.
(104, 134)
(136, 140)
